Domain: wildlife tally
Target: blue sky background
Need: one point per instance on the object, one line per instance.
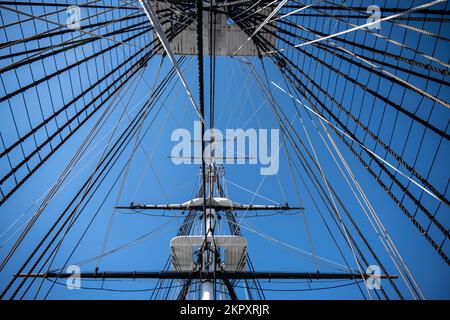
(237, 98)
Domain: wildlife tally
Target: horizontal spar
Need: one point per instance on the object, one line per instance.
(217, 208)
(206, 275)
